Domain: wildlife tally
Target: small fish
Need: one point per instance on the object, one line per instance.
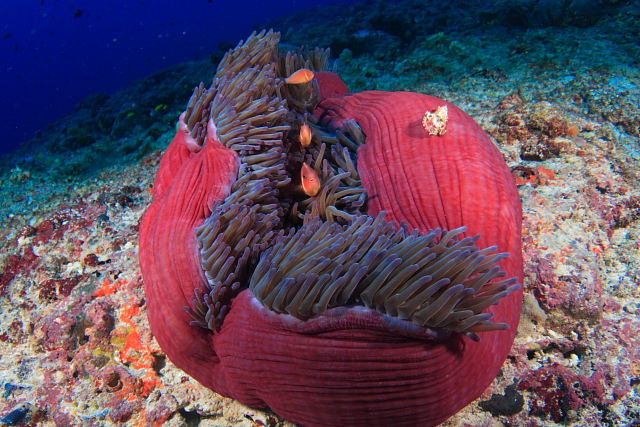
(305, 135)
(301, 76)
(310, 180)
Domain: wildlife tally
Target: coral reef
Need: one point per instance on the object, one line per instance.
(88, 357)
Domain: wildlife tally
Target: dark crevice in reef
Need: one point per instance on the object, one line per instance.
(509, 403)
(159, 362)
(191, 418)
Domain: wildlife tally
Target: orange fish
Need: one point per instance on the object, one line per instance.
(305, 135)
(301, 76)
(310, 180)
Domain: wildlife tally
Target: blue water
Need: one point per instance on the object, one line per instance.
(54, 53)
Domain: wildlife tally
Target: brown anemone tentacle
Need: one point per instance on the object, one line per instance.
(245, 109)
(336, 156)
(231, 241)
(413, 277)
(337, 202)
(302, 98)
(342, 194)
(243, 101)
(246, 106)
(313, 59)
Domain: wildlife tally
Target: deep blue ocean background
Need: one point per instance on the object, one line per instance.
(55, 53)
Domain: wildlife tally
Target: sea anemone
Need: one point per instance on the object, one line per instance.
(372, 301)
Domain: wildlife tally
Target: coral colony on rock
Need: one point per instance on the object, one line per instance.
(320, 306)
(433, 223)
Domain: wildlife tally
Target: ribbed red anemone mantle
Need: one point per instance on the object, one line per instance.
(348, 367)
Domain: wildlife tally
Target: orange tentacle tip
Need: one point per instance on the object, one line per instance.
(301, 76)
(310, 180)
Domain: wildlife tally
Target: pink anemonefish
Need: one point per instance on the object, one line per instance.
(305, 135)
(301, 76)
(310, 180)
